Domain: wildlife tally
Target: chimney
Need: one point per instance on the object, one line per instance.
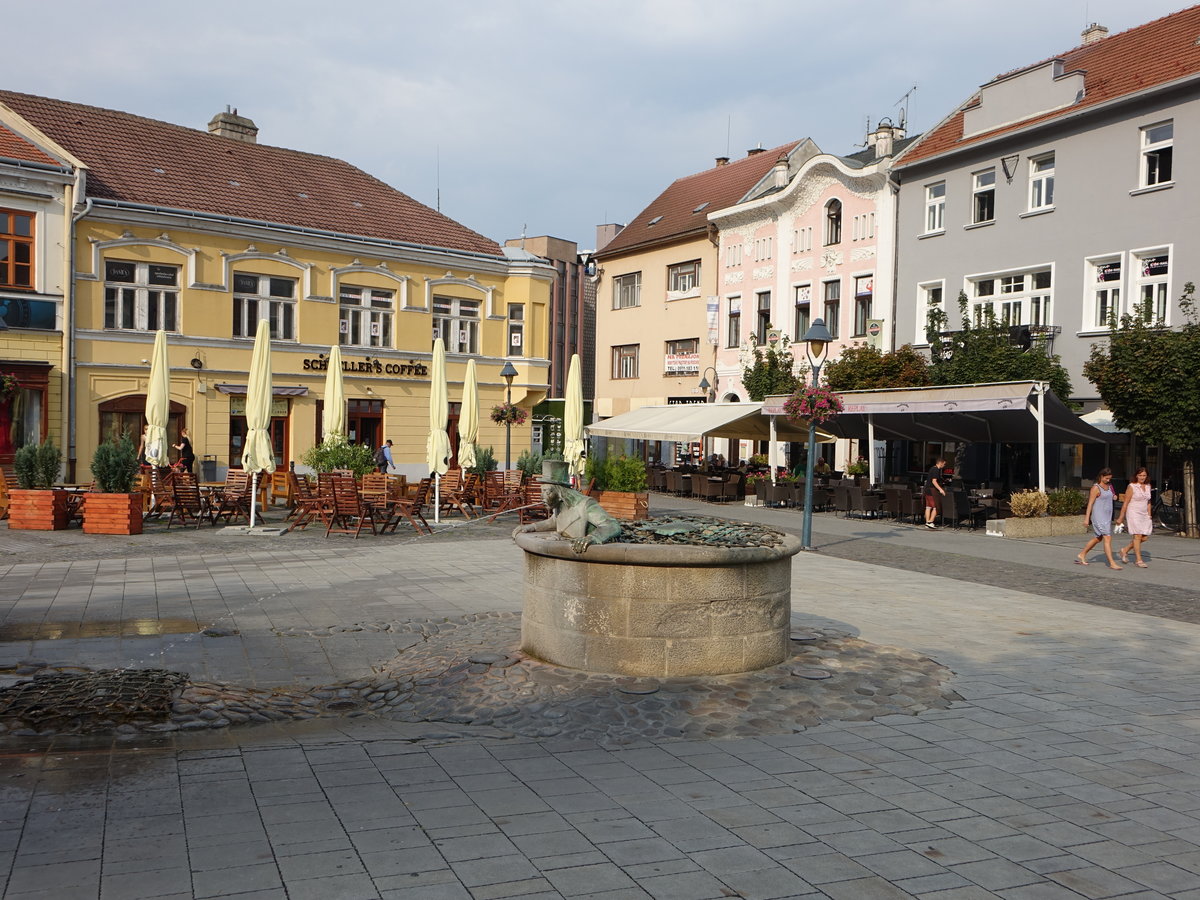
(1094, 33)
(605, 233)
(754, 151)
(230, 125)
(780, 171)
(884, 138)
(722, 160)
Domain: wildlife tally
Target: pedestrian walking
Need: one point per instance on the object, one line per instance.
(383, 457)
(1099, 514)
(1135, 513)
(934, 491)
(187, 456)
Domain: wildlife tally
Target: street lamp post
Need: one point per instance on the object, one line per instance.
(508, 373)
(817, 341)
(710, 394)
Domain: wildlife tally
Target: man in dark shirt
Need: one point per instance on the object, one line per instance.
(934, 491)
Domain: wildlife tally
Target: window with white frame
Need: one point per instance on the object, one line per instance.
(833, 222)
(516, 329)
(802, 239)
(1012, 298)
(764, 315)
(625, 361)
(1153, 276)
(365, 316)
(983, 294)
(264, 297)
(864, 289)
(983, 196)
(141, 296)
(930, 296)
(1158, 144)
(627, 290)
(1040, 295)
(456, 322)
(1105, 291)
(803, 302)
(684, 277)
(1041, 182)
(833, 305)
(733, 323)
(935, 207)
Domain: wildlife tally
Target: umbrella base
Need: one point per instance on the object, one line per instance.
(256, 531)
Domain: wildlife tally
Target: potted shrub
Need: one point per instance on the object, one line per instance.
(35, 505)
(335, 452)
(859, 470)
(622, 485)
(114, 507)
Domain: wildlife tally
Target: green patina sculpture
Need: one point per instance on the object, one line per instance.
(575, 516)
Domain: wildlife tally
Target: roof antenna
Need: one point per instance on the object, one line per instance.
(438, 177)
(728, 131)
(903, 104)
(523, 227)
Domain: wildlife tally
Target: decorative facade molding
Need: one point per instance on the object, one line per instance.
(468, 282)
(127, 239)
(764, 272)
(382, 269)
(802, 265)
(735, 277)
(831, 259)
(862, 253)
(253, 253)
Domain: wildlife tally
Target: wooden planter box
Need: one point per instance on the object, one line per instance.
(624, 504)
(113, 513)
(43, 510)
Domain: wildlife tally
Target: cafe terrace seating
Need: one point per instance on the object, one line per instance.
(188, 504)
(349, 511)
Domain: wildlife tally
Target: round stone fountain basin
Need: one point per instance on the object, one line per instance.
(654, 610)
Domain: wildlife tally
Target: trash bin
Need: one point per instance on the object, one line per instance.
(208, 467)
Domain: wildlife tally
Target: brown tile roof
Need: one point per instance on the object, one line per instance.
(139, 160)
(674, 212)
(13, 146)
(1152, 54)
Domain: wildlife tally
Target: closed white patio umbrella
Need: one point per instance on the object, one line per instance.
(258, 455)
(468, 419)
(573, 440)
(334, 419)
(437, 446)
(158, 403)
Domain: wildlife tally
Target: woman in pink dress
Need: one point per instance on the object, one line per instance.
(1135, 513)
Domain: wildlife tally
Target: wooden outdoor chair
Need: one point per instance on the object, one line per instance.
(281, 489)
(534, 508)
(233, 500)
(450, 493)
(5, 498)
(410, 508)
(309, 504)
(349, 512)
(502, 496)
(188, 503)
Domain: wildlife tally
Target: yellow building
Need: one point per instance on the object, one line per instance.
(204, 234)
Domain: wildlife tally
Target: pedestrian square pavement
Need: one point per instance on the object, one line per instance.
(1070, 768)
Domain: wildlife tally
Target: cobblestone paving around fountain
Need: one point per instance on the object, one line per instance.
(468, 670)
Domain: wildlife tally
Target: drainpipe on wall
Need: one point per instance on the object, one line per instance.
(69, 331)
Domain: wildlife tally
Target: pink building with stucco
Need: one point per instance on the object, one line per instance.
(805, 243)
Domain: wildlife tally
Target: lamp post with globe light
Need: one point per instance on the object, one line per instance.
(817, 341)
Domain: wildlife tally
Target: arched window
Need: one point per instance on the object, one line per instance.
(833, 222)
(127, 415)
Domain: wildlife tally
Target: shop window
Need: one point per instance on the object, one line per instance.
(16, 249)
(141, 296)
(127, 416)
(264, 297)
(25, 312)
(277, 430)
(456, 322)
(23, 406)
(366, 316)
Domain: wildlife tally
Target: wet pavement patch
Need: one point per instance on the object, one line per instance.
(59, 631)
(90, 701)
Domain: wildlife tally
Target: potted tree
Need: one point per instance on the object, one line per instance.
(115, 507)
(622, 485)
(35, 505)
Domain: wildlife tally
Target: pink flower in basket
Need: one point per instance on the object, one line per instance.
(508, 414)
(818, 404)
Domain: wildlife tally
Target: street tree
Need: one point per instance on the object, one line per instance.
(984, 351)
(770, 370)
(1148, 376)
(861, 367)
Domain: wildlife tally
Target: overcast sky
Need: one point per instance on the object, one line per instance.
(553, 116)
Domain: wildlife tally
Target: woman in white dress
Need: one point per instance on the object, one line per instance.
(1135, 513)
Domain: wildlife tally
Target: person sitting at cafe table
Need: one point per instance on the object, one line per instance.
(822, 467)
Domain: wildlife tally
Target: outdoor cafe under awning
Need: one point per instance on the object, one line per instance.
(696, 421)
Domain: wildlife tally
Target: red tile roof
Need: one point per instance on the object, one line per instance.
(13, 146)
(139, 160)
(675, 209)
(1115, 66)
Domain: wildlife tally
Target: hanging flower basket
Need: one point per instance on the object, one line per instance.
(509, 414)
(8, 386)
(817, 404)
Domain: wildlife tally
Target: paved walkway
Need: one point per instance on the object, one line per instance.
(1070, 769)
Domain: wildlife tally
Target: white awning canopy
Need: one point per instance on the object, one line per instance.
(696, 421)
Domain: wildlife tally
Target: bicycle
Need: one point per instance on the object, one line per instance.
(1168, 509)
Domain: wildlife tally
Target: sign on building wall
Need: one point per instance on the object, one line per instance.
(714, 306)
(875, 333)
(683, 363)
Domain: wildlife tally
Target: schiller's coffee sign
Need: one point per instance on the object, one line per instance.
(370, 367)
